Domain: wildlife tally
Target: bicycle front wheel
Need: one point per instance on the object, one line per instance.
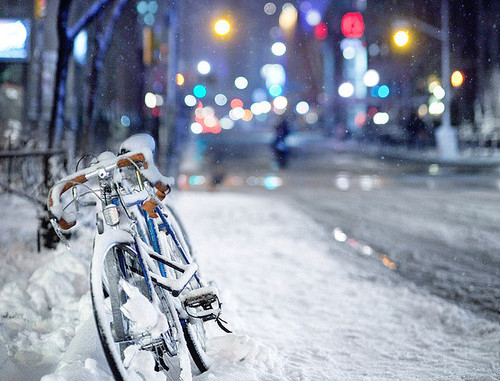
(139, 330)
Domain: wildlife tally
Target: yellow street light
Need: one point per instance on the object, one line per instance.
(457, 78)
(222, 27)
(401, 38)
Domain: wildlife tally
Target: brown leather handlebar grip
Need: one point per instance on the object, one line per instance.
(132, 159)
(66, 225)
(161, 191)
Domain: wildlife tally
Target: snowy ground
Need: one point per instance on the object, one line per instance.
(299, 308)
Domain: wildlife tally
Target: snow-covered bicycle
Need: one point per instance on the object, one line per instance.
(150, 304)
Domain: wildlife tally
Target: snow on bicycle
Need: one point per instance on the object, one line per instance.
(150, 304)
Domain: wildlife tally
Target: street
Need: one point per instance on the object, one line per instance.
(435, 227)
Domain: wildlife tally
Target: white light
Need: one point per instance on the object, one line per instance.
(311, 117)
(196, 128)
(241, 83)
(339, 235)
(381, 118)
(371, 78)
(346, 90)
(273, 74)
(190, 100)
(270, 9)
(236, 113)
(436, 108)
(349, 52)
(278, 49)
(302, 108)
(204, 67)
(280, 102)
(313, 17)
(265, 107)
(14, 35)
(150, 100)
(159, 100)
(220, 99)
(438, 92)
(210, 121)
(226, 123)
(256, 108)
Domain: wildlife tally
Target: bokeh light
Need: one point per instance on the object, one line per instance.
(222, 27)
(383, 91)
(270, 9)
(125, 121)
(199, 91)
(190, 100)
(438, 92)
(275, 90)
(401, 38)
(204, 67)
(313, 17)
(349, 52)
(457, 78)
(278, 49)
(346, 90)
(196, 128)
(220, 99)
(235, 103)
(280, 102)
(288, 17)
(179, 79)
(150, 100)
(381, 118)
(241, 83)
(302, 107)
(371, 78)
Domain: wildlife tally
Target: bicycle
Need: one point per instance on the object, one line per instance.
(149, 302)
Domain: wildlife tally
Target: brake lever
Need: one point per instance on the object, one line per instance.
(61, 236)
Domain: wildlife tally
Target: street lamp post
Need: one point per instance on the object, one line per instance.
(446, 137)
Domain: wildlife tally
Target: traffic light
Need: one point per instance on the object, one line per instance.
(321, 31)
(352, 25)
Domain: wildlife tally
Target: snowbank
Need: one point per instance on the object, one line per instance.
(299, 307)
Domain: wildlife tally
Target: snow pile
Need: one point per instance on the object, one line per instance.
(299, 306)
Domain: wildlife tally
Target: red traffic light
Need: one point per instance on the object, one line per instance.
(321, 31)
(352, 25)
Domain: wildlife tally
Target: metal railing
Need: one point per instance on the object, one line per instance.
(26, 172)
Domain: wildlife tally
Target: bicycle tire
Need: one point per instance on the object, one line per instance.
(109, 270)
(193, 328)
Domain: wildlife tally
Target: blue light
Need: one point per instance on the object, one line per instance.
(374, 91)
(383, 91)
(272, 182)
(197, 180)
(199, 91)
(149, 19)
(80, 47)
(275, 90)
(142, 7)
(125, 121)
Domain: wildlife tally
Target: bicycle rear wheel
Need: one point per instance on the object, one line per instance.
(178, 246)
(137, 328)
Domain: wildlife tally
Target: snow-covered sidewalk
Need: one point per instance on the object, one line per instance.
(299, 308)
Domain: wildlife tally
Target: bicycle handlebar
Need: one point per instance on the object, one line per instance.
(148, 170)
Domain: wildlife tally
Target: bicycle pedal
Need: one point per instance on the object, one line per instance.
(202, 303)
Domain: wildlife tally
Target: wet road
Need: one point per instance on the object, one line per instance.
(435, 227)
